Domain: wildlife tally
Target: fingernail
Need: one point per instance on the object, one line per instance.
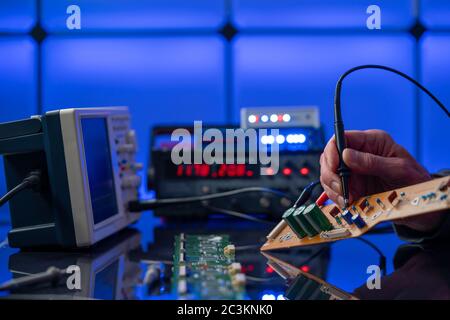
(352, 156)
(340, 201)
(336, 186)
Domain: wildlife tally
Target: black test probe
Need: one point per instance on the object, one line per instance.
(339, 131)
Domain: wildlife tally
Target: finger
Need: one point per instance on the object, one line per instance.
(355, 139)
(330, 179)
(330, 155)
(369, 164)
(335, 197)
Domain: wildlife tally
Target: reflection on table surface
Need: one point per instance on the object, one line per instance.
(137, 264)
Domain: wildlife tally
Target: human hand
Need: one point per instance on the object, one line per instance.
(377, 164)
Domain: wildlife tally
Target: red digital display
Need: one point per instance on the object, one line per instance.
(215, 171)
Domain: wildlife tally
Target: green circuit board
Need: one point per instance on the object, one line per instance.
(202, 270)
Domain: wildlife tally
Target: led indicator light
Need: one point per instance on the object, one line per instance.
(268, 297)
(267, 139)
(305, 268)
(304, 171)
(280, 139)
(301, 138)
(252, 118)
(286, 117)
(274, 118)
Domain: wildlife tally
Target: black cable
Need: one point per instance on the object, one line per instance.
(260, 279)
(238, 215)
(337, 96)
(31, 181)
(339, 131)
(306, 194)
(248, 247)
(52, 275)
(136, 206)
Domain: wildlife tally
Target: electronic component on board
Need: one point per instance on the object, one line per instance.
(289, 218)
(210, 271)
(234, 268)
(336, 214)
(275, 231)
(365, 206)
(335, 233)
(358, 221)
(317, 218)
(238, 280)
(347, 215)
(393, 198)
(87, 160)
(229, 250)
(444, 186)
(303, 222)
(380, 203)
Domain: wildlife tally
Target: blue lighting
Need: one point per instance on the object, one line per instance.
(134, 15)
(289, 70)
(295, 139)
(435, 125)
(435, 13)
(268, 296)
(272, 295)
(324, 14)
(17, 16)
(164, 80)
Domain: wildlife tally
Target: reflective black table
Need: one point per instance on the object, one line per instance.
(122, 266)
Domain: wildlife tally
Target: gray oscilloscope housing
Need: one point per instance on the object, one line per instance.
(89, 175)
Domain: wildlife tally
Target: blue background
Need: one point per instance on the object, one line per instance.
(170, 63)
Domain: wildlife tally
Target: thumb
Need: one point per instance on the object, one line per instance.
(367, 163)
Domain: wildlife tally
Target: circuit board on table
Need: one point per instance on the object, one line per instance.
(204, 268)
(314, 225)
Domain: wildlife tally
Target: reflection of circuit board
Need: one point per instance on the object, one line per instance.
(204, 268)
(332, 223)
(303, 285)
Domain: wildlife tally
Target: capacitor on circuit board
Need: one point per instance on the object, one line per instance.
(347, 215)
(316, 217)
(288, 216)
(301, 220)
